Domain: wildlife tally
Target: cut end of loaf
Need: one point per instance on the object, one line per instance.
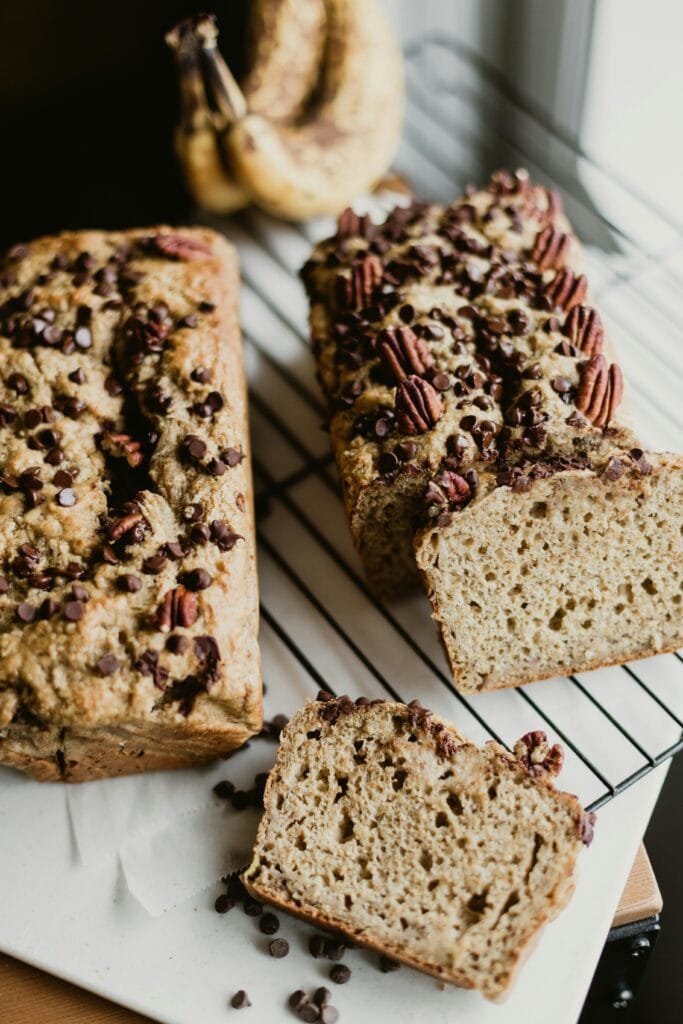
(384, 823)
(578, 572)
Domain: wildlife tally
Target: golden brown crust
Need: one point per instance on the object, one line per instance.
(144, 338)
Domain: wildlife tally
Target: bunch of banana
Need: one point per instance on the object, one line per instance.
(316, 120)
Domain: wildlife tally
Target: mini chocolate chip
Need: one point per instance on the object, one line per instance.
(232, 456)
(194, 512)
(112, 386)
(334, 950)
(269, 924)
(329, 1015)
(79, 593)
(107, 664)
(316, 946)
(252, 907)
(32, 418)
(197, 579)
(26, 612)
(240, 1000)
(78, 376)
(73, 611)
(322, 996)
(215, 467)
(194, 446)
(62, 478)
(206, 307)
(215, 401)
(241, 799)
(201, 375)
(224, 789)
(386, 964)
(177, 643)
(441, 381)
(340, 974)
(200, 533)
(48, 608)
(561, 384)
(129, 583)
(468, 422)
(278, 948)
(405, 450)
(17, 382)
(4, 585)
(387, 462)
(66, 497)
(223, 903)
(153, 565)
(308, 1012)
(191, 320)
(83, 337)
(297, 999)
(174, 550)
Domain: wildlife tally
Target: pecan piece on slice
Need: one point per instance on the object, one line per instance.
(592, 387)
(356, 291)
(122, 446)
(584, 329)
(448, 488)
(418, 406)
(180, 247)
(403, 353)
(551, 248)
(353, 225)
(178, 608)
(566, 289)
(124, 525)
(536, 755)
(613, 396)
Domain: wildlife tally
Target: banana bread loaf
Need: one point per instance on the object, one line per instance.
(463, 365)
(128, 603)
(384, 823)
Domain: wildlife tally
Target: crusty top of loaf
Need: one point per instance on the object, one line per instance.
(128, 585)
(459, 339)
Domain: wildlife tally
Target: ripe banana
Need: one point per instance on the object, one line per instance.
(286, 45)
(345, 140)
(201, 156)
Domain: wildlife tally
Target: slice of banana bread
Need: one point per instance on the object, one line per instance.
(384, 823)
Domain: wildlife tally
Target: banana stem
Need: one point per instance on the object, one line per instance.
(194, 109)
(223, 89)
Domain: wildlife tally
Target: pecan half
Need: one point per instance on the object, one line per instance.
(448, 488)
(355, 292)
(551, 248)
(124, 525)
(613, 396)
(403, 353)
(180, 247)
(584, 329)
(418, 406)
(566, 289)
(600, 391)
(536, 755)
(351, 225)
(122, 446)
(178, 608)
(592, 387)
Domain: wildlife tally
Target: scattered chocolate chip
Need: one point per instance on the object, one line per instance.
(252, 907)
(153, 565)
(224, 789)
(386, 964)
(334, 950)
(240, 1000)
(278, 948)
(107, 664)
(197, 579)
(193, 447)
(73, 611)
(308, 1012)
(329, 1015)
(241, 799)
(66, 497)
(129, 583)
(316, 946)
(26, 612)
(322, 996)
(340, 974)
(297, 999)
(269, 924)
(215, 467)
(223, 903)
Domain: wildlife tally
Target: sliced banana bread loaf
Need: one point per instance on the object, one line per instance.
(460, 357)
(384, 823)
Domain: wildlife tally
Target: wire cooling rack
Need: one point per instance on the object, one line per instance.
(320, 625)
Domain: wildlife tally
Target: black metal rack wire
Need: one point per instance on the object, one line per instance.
(617, 725)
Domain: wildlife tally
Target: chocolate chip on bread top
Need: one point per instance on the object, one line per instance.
(128, 598)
